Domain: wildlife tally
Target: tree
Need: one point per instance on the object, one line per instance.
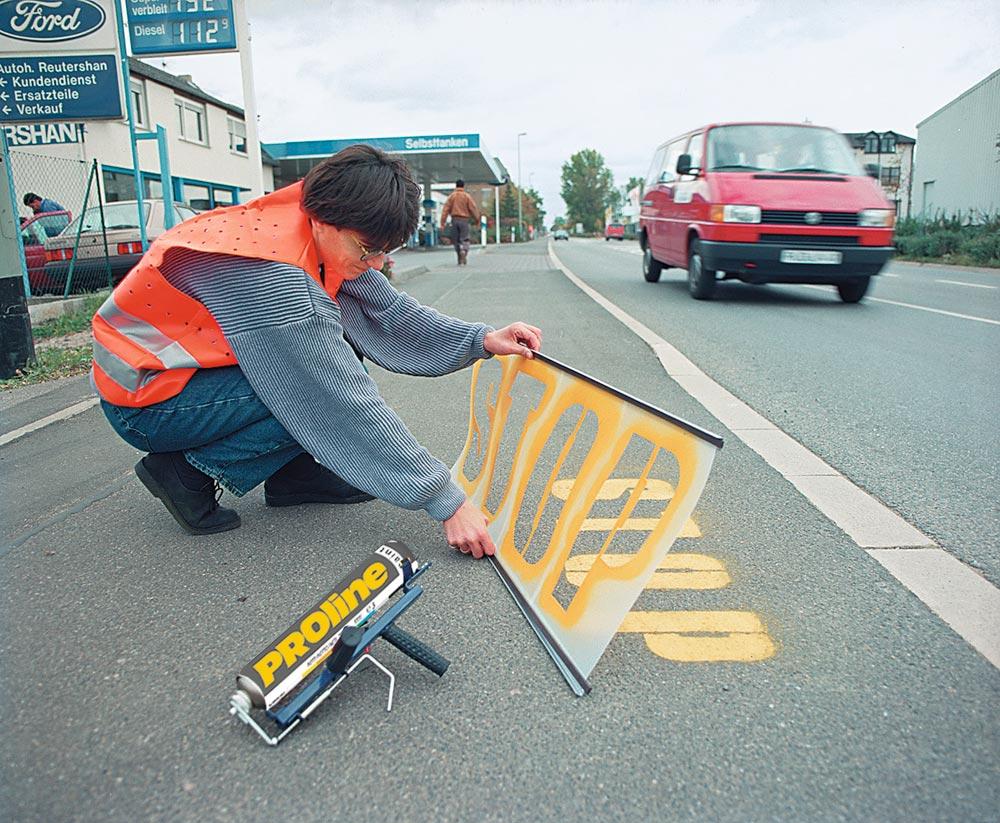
(633, 182)
(587, 188)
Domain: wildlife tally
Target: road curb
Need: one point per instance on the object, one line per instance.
(46, 308)
(401, 277)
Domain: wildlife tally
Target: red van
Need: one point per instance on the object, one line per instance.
(615, 230)
(764, 203)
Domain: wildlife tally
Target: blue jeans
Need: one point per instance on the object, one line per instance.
(220, 425)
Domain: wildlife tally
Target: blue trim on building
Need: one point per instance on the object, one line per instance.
(393, 145)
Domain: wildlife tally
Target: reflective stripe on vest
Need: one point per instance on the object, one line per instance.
(150, 338)
(169, 352)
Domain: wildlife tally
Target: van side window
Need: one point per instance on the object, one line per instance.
(654, 168)
(668, 172)
(695, 150)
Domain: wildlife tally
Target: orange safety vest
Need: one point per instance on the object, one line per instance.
(150, 338)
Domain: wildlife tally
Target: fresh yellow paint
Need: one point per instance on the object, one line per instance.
(702, 637)
(680, 570)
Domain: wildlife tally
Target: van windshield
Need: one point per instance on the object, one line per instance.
(780, 149)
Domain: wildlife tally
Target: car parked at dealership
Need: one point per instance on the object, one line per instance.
(35, 230)
(764, 203)
(109, 246)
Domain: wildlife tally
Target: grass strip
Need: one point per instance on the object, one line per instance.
(51, 364)
(73, 322)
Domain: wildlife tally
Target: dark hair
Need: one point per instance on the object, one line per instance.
(30, 198)
(364, 189)
(460, 183)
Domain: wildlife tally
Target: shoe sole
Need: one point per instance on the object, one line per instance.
(278, 501)
(158, 492)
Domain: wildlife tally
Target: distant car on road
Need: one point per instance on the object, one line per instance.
(560, 234)
(615, 230)
(123, 247)
(35, 230)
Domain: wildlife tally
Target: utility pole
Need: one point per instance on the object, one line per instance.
(520, 225)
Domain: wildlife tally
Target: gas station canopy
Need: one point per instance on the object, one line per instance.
(440, 158)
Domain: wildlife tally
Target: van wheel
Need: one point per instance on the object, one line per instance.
(852, 291)
(701, 283)
(651, 267)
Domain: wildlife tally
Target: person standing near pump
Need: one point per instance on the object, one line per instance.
(230, 354)
(463, 209)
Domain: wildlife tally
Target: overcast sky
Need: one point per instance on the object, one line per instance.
(617, 77)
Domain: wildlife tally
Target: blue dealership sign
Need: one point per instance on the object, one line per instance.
(393, 145)
(157, 27)
(61, 87)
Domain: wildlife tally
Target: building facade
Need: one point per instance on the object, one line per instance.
(892, 154)
(209, 162)
(958, 164)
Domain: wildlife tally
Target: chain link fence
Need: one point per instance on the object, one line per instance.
(65, 245)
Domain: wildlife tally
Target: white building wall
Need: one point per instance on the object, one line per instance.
(957, 167)
(901, 158)
(59, 171)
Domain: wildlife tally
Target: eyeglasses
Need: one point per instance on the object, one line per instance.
(367, 254)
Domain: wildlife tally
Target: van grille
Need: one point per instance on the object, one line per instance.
(809, 239)
(798, 218)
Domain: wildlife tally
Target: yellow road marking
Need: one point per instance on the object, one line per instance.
(682, 570)
(702, 637)
(615, 487)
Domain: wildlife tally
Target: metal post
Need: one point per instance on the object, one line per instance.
(127, 78)
(166, 181)
(520, 225)
(243, 38)
(17, 346)
(496, 205)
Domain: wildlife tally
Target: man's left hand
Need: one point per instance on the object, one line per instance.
(517, 338)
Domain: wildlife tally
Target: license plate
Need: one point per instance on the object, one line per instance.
(827, 258)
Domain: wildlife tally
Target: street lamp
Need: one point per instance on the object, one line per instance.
(520, 227)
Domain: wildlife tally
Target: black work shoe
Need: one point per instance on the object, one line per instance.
(303, 480)
(191, 496)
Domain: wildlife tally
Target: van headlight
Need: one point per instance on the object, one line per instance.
(735, 214)
(881, 218)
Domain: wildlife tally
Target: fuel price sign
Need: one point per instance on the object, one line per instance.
(162, 27)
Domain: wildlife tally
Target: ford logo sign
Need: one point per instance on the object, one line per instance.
(49, 21)
(813, 218)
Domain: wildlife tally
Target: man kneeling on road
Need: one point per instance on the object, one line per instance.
(231, 351)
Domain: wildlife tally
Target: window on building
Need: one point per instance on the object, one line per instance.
(890, 176)
(140, 111)
(224, 197)
(197, 197)
(871, 143)
(118, 186)
(237, 136)
(191, 121)
(152, 187)
(888, 143)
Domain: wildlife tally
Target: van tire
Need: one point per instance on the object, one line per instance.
(651, 267)
(851, 291)
(701, 283)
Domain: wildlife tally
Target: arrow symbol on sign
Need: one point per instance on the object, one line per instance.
(2, 82)
(6, 109)
(5, 97)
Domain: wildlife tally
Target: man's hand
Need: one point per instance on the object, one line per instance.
(466, 531)
(517, 338)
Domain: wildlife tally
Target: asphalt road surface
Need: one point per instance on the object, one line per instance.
(792, 668)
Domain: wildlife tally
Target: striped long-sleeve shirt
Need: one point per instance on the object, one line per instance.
(288, 336)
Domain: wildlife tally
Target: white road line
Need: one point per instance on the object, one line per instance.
(64, 414)
(889, 274)
(942, 582)
(961, 283)
(965, 600)
(912, 306)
